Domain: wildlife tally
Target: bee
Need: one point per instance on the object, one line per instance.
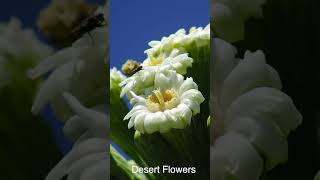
(131, 67)
(90, 24)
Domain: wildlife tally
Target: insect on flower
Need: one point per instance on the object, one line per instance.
(131, 67)
(138, 69)
(89, 24)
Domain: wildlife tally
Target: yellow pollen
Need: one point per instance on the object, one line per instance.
(159, 96)
(155, 61)
(162, 100)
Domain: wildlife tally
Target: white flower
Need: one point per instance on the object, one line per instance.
(171, 53)
(18, 42)
(198, 36)
(80, 70)
(248, 103)
(19, 49)
(169, 103)
(137, 82)
(89, 158)
(229, 17)
(87, 122)
(116, 77)
(233, 157)
(143, 79)
(175, 59)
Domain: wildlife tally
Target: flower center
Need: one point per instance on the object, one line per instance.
(155, 61)
(162, 100)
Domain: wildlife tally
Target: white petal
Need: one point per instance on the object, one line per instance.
(274, 77)
(153, 43)
(164, 123)
(97, 119)
(94, 145)
(250, 73)
(232, 156)
(174, 121)
(131, 123)
(139, 123)
(133, 110)
(151, 123)
(52, 62)
(73, 128)
(186, 85)
(194, 106)
(58, 82)
(265, 136)
(194, 95)
(185, 113)
(223, 62)
(266, 103)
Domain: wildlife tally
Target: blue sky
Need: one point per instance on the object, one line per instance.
(136, 22)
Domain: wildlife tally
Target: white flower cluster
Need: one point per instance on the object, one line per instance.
(252, 117)
(76, 81)
(19, 49)
(229, 17)
(200, 36)
(170, 103)
(89, 157)
(162, 99)
(171, 53)
(80, 69)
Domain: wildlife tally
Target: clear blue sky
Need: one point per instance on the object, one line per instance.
(136, 22)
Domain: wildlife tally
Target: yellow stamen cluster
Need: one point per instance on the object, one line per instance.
(162, 100)
(155, 61)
